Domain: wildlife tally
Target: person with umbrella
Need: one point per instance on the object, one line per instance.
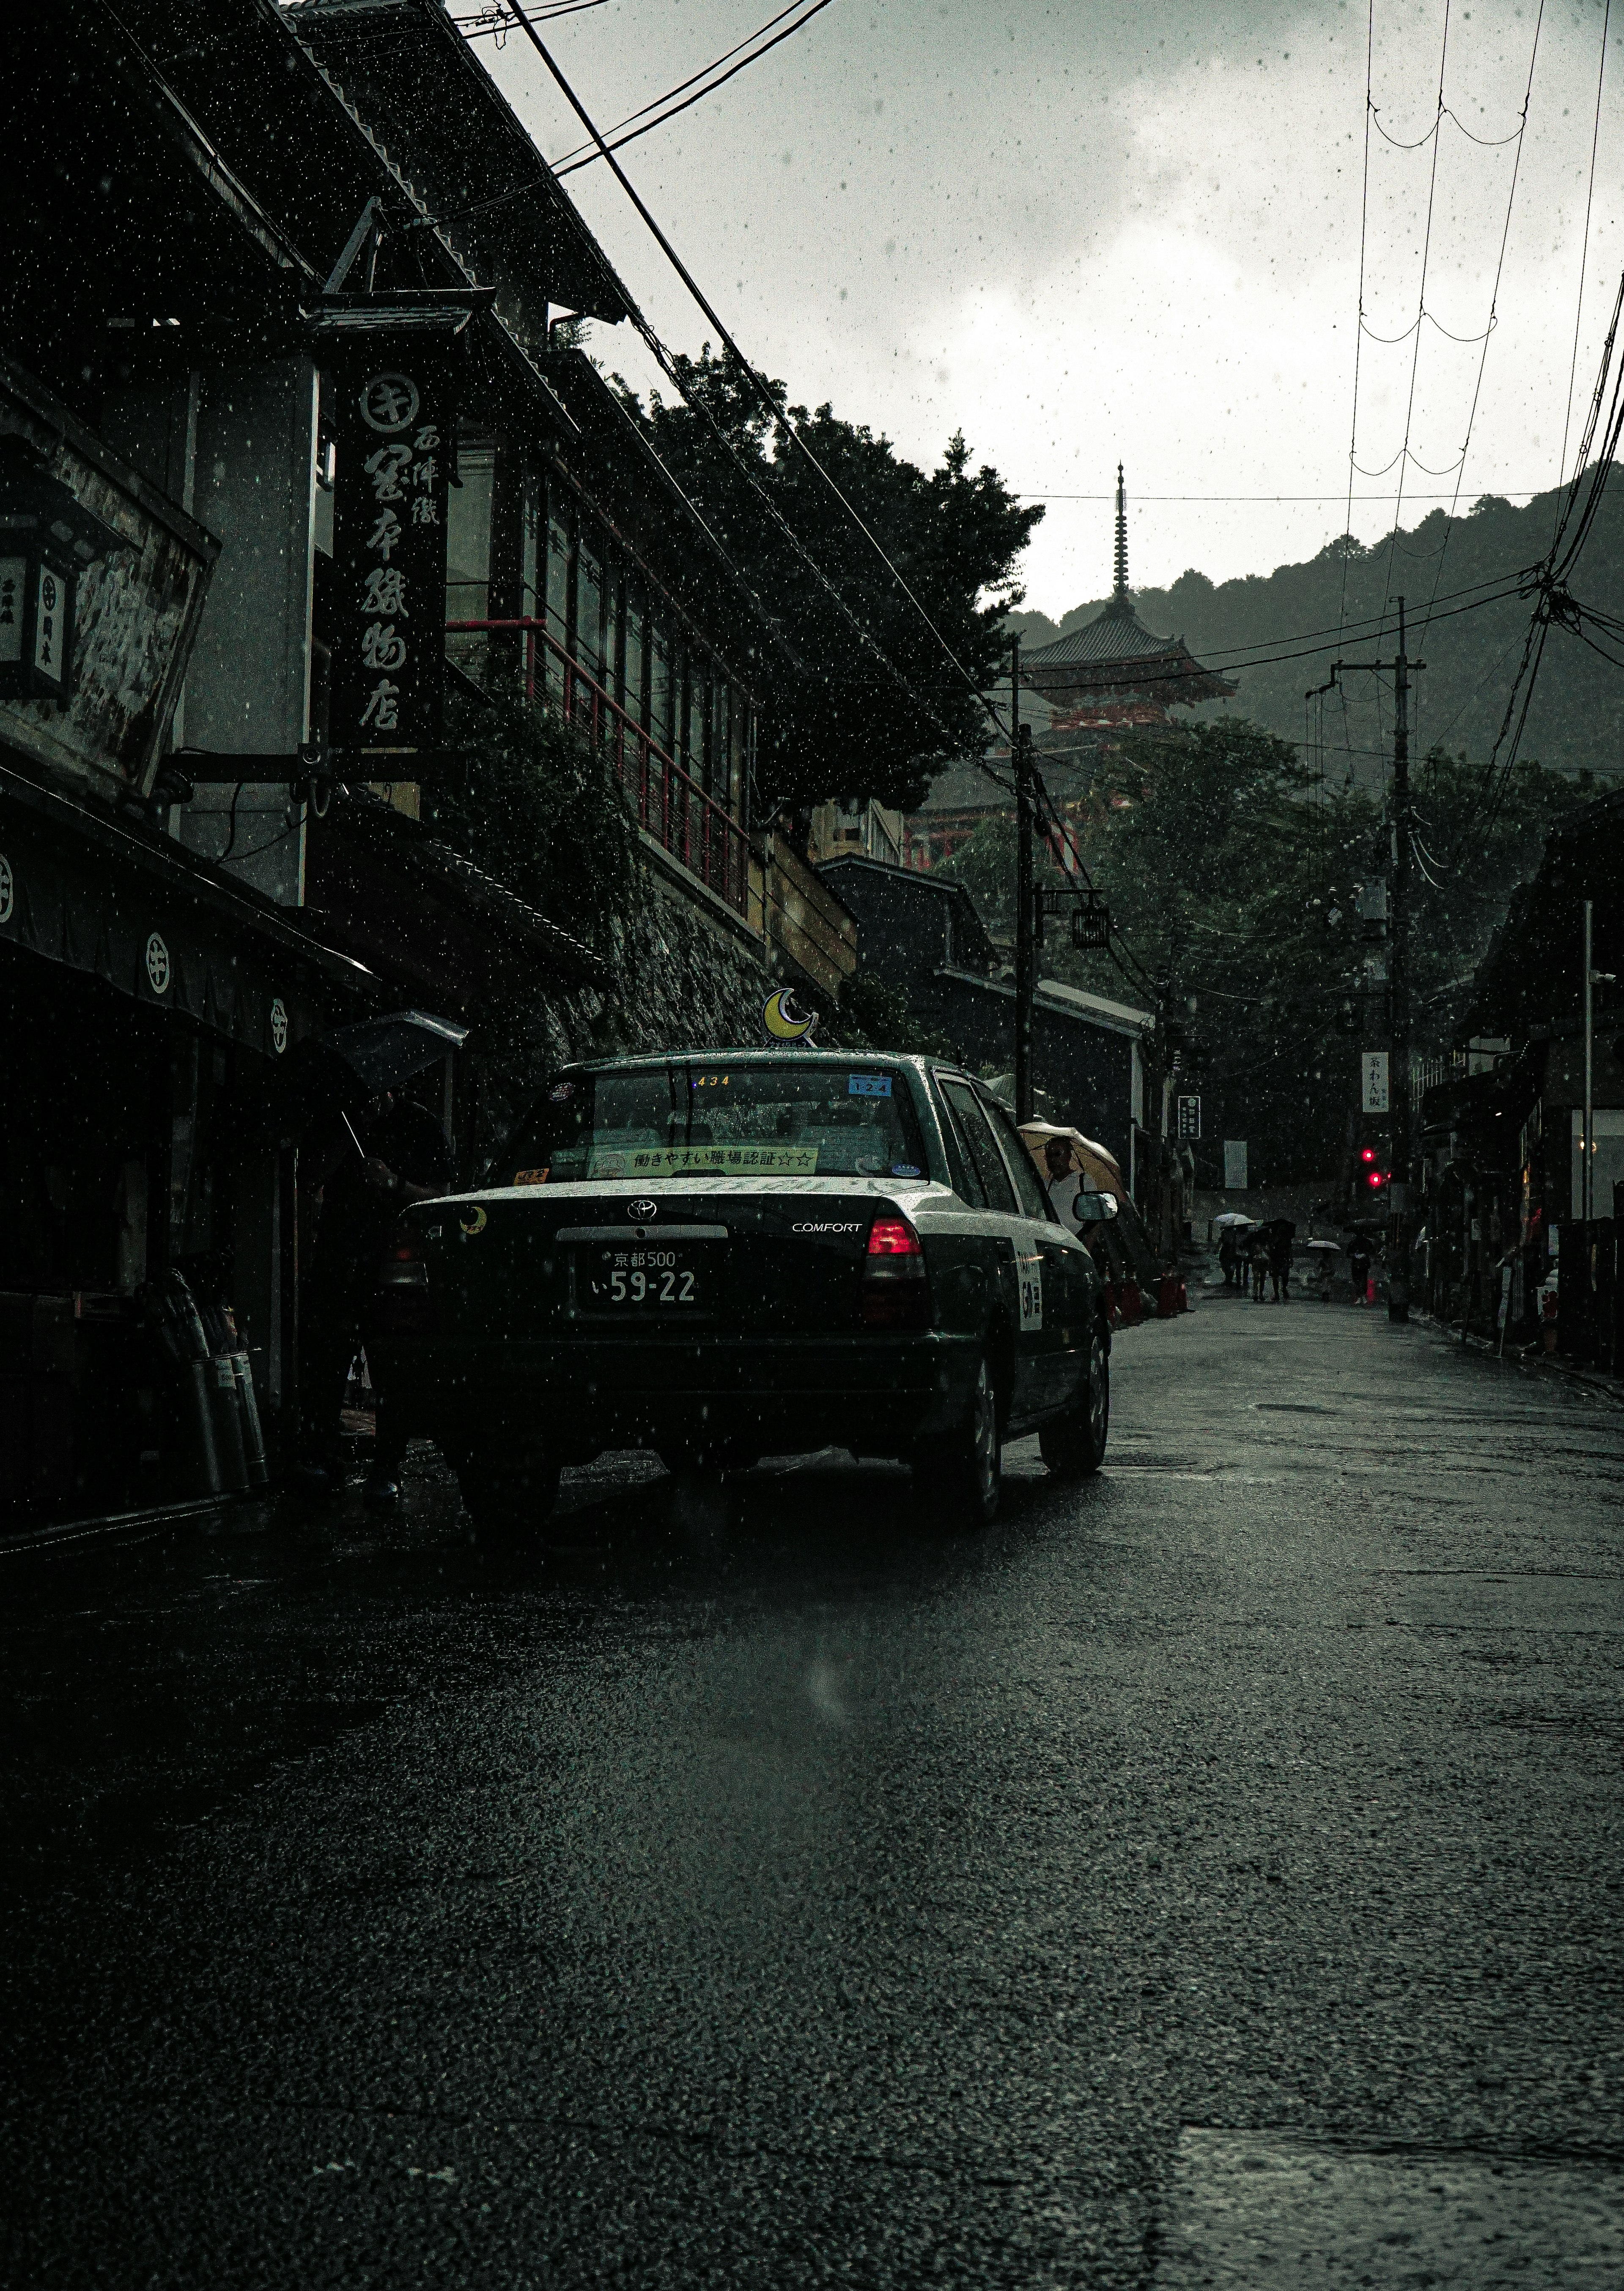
(1281, 1237)
(373, 1153)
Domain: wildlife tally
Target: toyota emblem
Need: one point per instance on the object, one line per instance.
(639, 1212)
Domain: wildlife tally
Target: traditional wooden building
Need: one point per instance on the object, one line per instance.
(1114, 675)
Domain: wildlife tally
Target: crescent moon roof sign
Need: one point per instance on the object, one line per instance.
(779, 1017)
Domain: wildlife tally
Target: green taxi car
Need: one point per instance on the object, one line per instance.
(721, 1255)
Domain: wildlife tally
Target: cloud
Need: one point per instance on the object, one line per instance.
(1084, 234)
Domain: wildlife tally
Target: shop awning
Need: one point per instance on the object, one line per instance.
(83, 888)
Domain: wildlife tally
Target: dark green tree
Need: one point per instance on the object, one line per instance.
(837, 721)
(1231, 876)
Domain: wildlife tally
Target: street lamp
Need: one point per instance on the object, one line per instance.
(47, 537)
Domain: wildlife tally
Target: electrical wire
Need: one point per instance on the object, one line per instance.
(1584, 250)
(1494, 291)
(779, 414)
(1415, 363)
(1364, 210)
(584, 155)
(490, 23)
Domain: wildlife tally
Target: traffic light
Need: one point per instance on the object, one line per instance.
(1373, 1169)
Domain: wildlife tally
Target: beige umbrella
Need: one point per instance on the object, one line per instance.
(1093, 1160)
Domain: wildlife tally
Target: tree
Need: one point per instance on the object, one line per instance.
(1233, 878)
(838, 720)
(984, 863)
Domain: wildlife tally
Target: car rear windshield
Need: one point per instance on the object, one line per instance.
(723, 1121)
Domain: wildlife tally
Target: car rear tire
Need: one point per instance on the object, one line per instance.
(957, 1480)
(1073, 1445)
(507, 1498)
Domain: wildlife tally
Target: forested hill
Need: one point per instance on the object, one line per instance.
(1576, 719)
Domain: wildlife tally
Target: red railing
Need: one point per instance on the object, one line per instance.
(669, 801)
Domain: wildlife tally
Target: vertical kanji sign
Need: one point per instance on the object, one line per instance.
(389, 547)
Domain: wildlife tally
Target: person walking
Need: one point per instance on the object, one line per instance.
(366, 1176)
(1282, 1235)
(1359, 1267)
(1258, 1260)
(1228, 1258)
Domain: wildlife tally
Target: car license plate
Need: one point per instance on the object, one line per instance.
(641, 1280)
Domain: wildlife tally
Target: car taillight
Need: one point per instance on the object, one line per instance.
(896, 1293)
(404, 1305)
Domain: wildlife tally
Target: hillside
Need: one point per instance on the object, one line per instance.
(1578, 718)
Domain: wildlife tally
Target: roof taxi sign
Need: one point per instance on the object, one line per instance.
(393, 440)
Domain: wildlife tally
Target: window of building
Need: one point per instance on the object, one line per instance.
(589, 607)
(468, 535)
(660, 683)
(636, 700)
(560, 570)
(613, 590)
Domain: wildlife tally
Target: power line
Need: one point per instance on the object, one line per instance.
(1465, 446)
(490, 23)
(1365, 213)
(1584, 250)
(583, 154)
(779, 412)
(1504, 491)
(1415, 362)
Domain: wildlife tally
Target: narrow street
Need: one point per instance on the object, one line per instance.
(789, 1897)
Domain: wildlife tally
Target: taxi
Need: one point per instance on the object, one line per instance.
(720, 1255)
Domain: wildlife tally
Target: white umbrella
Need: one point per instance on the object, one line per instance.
(1335, 1247)
(1234, 1217)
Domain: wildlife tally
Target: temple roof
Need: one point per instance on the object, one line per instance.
(1111, 635)
(1115, 639)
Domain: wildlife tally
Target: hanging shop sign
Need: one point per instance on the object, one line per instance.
(1189, 1118)
(47, 538)
(1373, 1071)
(395, 407)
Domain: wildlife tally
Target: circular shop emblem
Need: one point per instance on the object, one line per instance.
(157, 965)
(389, 403)
(639, 1212)
(8, 889)
(279, 1025)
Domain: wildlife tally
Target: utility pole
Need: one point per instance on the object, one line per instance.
(1398, 969)
(1398, 990)
(1026, 950)
(1593, 979)
(1587, 1191)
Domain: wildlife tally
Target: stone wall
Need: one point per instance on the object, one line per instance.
(682, 982)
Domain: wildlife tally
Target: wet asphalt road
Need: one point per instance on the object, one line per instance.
(788, 1897)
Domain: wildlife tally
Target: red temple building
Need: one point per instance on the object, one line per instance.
(1114, 674)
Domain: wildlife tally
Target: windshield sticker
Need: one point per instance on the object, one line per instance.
(727, 1160)
(531, 1177)
(869, 1086)
(561, 1092)
(474, 1222)
(905, 1169)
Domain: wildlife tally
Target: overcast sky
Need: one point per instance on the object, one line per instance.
(1083, 233)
